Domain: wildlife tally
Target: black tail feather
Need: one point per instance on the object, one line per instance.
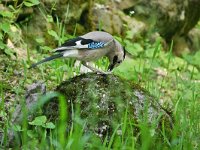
(45, 60)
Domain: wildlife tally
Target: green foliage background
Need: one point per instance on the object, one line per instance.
(174, 80)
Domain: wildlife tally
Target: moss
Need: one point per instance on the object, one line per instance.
(103, 101)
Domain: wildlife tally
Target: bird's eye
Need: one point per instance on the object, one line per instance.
(119, 62)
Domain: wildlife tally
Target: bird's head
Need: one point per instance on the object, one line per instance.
(117, 56)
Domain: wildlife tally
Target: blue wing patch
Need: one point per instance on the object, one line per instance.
(95, 45)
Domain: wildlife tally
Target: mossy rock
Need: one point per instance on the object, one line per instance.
(99, 103)
(104, 100)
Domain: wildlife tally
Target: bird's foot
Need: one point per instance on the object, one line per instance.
(95, 69)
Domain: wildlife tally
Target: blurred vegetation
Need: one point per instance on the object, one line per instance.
(175, 81)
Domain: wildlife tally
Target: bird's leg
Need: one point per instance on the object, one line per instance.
(95, 69)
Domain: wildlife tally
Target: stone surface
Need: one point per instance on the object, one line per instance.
(103, 101)
(172, 19)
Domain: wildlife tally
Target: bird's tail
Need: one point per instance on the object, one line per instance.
(46, 59)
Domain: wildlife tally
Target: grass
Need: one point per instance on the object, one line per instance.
(178, 85)
(174, 80)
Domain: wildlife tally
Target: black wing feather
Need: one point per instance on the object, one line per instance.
(72, 42)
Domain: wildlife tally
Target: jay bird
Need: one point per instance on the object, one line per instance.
(90, 47)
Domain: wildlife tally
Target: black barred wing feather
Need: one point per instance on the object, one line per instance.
(95, 45)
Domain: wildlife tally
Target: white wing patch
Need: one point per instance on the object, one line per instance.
(79, 45)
